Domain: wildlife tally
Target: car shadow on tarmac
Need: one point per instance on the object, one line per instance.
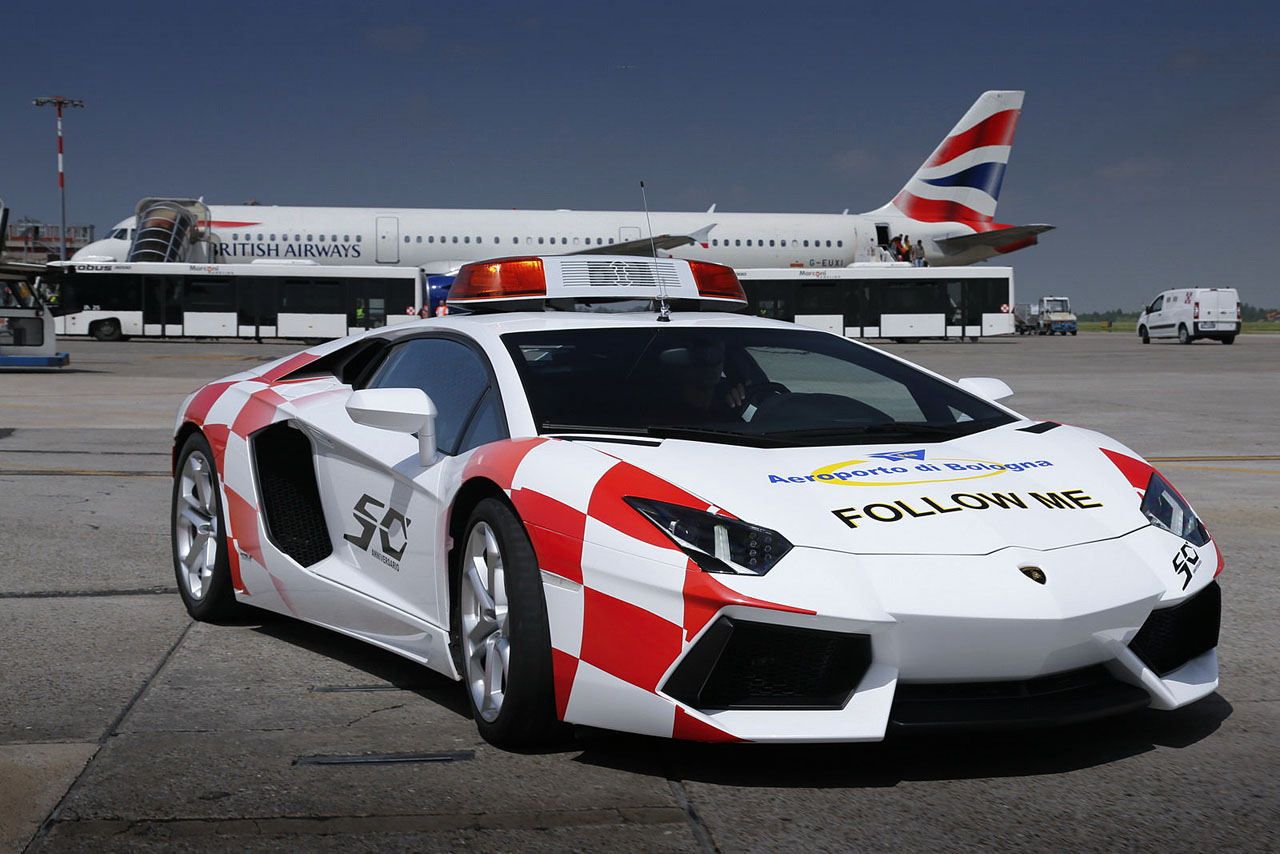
(382, 666)
(901, 757)
(918, 757)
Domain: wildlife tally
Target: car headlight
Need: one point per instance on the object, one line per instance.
(715, 543)
(1164, 507)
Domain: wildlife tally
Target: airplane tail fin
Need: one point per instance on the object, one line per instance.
(960, 181)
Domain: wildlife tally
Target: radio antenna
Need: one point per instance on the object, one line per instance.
(664, 307)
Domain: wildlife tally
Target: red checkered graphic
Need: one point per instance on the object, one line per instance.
(288, 366)
(616, 637)
(258, 412)
(626, 641)
(242, 520)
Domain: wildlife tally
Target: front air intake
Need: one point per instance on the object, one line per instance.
(744, 665)
(1173, 636)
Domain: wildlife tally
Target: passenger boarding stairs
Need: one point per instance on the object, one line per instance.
(171, 230)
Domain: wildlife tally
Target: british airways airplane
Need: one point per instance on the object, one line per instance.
(948, 207)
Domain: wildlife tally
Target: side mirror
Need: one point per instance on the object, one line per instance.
(988, 388)
(400, 410)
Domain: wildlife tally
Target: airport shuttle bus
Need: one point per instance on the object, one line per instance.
(887, 300)
(114, 300)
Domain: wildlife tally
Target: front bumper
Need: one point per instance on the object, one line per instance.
(837, 647)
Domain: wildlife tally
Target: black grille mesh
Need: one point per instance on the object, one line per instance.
(1173, 636)
(745, 665)
(290, 497)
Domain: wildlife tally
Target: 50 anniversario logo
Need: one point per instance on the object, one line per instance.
(905, 468)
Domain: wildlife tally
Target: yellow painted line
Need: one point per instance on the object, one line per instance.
(1208, 459)
(1214, 468)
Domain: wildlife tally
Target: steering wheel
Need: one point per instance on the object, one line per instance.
(754, 396)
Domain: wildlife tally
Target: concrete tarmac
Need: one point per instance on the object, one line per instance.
(124, 726)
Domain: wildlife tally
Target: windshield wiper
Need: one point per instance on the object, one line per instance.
(552, 427)
(896, 428)
(731, 437)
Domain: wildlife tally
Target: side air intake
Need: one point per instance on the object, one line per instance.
(291, 506)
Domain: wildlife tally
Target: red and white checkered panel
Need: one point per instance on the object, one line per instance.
(623, 601)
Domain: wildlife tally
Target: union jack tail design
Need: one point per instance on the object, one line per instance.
(960, 182)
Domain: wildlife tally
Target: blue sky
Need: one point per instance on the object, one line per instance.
(1149, 134)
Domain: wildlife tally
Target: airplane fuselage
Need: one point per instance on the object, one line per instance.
(441, 239)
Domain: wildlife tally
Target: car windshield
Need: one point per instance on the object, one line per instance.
(755, 386)
(1056, 305)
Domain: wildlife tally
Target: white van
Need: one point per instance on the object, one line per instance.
(1192, 313)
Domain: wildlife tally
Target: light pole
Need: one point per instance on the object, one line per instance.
(60, 102)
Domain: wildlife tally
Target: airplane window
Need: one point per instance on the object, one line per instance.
(748, 241)
(259, 237)
(828, 242)
(406, 238)
(466, 239)
(495, 239)
(333, 237)
(346, 238)
(310, 238)
(235, 237)
(806, 243)
(576, 241)
(528, 241)
(273, 238)
(455, 238)
(297, 237)
(359, 239)
(737, 243)
(515, 240)
(540, 241)
(839, 243)
(431, 238)
(479, 239)
(611, 241)
(419, 240)
(321, 240)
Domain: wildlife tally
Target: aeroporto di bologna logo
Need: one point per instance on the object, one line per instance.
(902, 468)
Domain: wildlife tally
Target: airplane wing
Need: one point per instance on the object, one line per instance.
(998, 238)
(646, 246)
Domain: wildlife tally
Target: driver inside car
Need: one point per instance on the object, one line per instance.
(702, 391)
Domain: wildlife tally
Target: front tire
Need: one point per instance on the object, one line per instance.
(1184, 337)
(1142, 333)
(501, 630)
(199, 535)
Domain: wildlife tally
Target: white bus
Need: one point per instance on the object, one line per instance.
(887, 300)
(114, 300)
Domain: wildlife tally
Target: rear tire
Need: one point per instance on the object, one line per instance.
(1228, 339)
(1184, 337)
(199, 535)
(501, 630)
(106, 330)
(1142, 333)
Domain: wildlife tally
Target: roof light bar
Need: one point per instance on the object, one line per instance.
(501, 278)
(716, 281)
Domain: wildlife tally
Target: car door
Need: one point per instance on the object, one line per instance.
(387, 510)
(1156, 326)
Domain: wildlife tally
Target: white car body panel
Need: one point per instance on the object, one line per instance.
(904, 543)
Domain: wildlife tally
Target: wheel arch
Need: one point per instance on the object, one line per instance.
(180, 439)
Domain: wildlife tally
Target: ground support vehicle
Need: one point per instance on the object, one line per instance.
(894, 301)
(113, 300)
(598, 500)
(1190, 313)
(27, 337)
(1049, 315)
